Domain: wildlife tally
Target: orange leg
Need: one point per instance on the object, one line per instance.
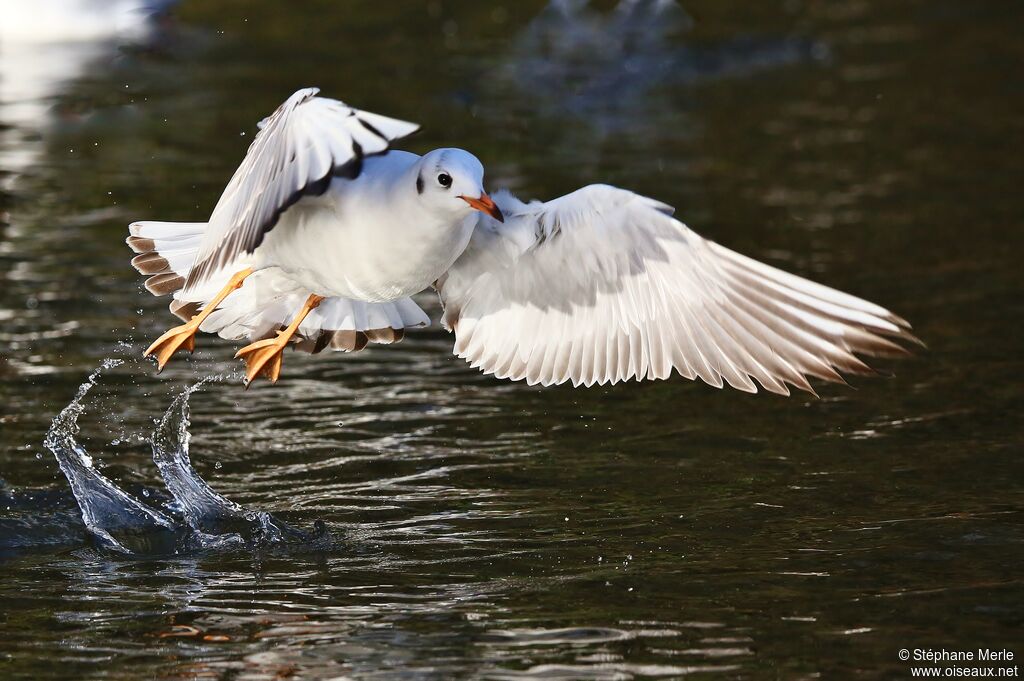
(184, 336)
(263, 358)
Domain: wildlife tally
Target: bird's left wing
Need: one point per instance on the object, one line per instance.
(299, 148)
(603, 285)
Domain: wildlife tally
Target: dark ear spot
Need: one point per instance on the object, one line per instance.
(419, 184)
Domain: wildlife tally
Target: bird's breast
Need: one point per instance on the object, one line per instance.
(348, 248)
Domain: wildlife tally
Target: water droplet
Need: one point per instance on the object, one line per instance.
(217, 465)
(39, 455)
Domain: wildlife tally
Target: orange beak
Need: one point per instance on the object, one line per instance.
(485, 205)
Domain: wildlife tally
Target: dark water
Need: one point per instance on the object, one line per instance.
(485, 529)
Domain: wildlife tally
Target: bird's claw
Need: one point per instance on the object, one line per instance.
(263, 358)
(179, 338)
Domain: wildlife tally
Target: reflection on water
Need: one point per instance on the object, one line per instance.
(593, 78)
(573, 61)
(46, 44)
(486, 529)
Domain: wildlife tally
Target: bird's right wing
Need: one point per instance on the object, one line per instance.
(299, 148)
(603, 285)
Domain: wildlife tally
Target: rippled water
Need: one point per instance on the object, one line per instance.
(486, 529)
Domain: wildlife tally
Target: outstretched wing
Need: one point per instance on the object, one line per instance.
(297, 151)
(603, 285)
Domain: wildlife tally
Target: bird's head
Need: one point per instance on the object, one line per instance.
(452, 181)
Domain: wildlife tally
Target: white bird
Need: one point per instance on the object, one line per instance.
(331, 231)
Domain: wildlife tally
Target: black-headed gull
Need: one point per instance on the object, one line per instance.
(331, 231)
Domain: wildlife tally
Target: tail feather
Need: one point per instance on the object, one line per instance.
(167, 231)
(164, 283)
(166, 251)
(268, 301)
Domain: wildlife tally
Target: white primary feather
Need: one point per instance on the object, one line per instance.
(603, 285)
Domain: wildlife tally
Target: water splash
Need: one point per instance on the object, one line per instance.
(197, 518)
(204, 510)
(109, 513)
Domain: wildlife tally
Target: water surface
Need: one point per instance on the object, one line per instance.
(488, 529)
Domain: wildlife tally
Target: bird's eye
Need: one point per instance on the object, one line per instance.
(445, 180)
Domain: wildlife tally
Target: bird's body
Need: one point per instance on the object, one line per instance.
(324, 232)
(365, 238)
